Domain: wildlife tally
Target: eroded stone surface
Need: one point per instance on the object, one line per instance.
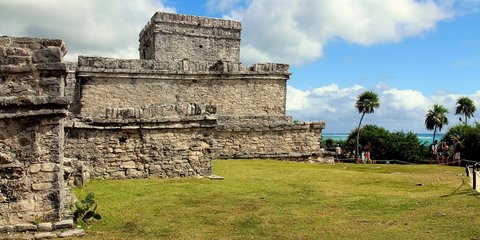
(32, 108)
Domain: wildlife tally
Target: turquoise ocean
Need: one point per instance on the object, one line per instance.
(425, 138)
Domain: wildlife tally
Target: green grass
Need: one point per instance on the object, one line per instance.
(266, 199)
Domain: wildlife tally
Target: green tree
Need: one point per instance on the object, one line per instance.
(375, 135)
(466, 107)
(469, 137)
(366, 103)
(436, 118)
(387, 145)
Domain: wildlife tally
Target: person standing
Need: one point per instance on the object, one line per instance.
(445, 153)
(457, 148)
(434, 151)
(338, 151)
(366, 151)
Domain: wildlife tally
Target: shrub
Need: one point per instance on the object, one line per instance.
(387, 145)
(404, 146)
(84, 210)
(469, 137)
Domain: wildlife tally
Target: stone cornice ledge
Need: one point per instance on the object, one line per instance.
(207, 121)
(97, 66)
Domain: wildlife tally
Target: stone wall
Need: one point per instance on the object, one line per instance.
(31, 180)
(276, 140)
(111, 83)
(173, 37)
(32, 109)
(161, 150)
(180, 149)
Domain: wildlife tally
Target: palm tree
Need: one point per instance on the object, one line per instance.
(466, 107)
(366, 103)
(436, 118)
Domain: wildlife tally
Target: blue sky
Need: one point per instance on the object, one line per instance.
(412, 53)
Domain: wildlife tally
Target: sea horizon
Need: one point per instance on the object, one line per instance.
(425, 138)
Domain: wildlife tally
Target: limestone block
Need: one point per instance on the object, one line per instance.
(45, 235)
(44, 227)
(118, 150)
(35, 168)
(46, 176)
(67, 223)
(118, 174)
(24, 227)
(154, 169)
(42, 186)
(128, 165)
(47, 55)
(135, 173)
(49, 167)
(72, 233)
(8, 228)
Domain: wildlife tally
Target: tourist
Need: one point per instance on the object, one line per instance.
(434, 151)
(445, 153)
(366, 152)
(457, 148)
(367, 157)
(338, 151)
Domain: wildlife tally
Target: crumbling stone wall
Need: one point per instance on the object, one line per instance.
(298, 140)
(170, 149)
(31, 185)
(32, 109)
(232, 88)
(173, 37)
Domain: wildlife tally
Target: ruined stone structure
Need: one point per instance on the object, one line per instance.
(32, 112)
(186, 101)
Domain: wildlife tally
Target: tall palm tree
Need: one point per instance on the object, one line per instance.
(466, 107)
(366, 103)
(436, 118)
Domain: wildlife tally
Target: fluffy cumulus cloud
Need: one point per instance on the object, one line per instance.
(296, 31)
(104, 27)
(400, 109)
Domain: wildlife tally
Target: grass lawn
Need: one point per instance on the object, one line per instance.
(266, 199)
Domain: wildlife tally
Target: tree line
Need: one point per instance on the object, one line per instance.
(406, 146)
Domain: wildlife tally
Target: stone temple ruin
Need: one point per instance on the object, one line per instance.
(186, 101)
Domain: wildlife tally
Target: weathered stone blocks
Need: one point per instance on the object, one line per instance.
(172, 37)
(31, 132)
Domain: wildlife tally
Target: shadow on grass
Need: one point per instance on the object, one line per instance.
(466, 192)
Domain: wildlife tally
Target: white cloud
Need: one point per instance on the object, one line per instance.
(405, 100)
(400, 109)
(221, 5)
(107, 28)
(297, 99)
(296, 31)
